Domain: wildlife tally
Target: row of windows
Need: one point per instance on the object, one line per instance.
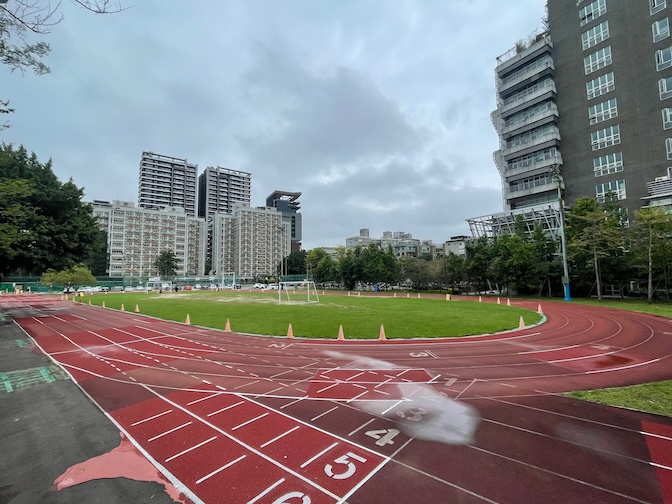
(605, 137)
(601, 85)
(530, 159)
(595, 35)
(528, 113)
(530, 182)
(592, 11)
(607, 164)
(538, 63)
(616, 187)
(603, 111)
(530, 136)
(597, 60)
(547, 82)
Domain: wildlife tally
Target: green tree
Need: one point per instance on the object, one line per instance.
(452, 270)
(75, 275)
(99, 259)
(295, 263)
(654, 227)
(167, 264)
(44, 223)
(417, 271)
(479, 261)
(321, 266)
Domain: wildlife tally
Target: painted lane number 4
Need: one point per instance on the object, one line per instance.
(383, 436)
(349, 467)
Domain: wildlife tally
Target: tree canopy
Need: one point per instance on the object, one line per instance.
(167, 264)
(75, 275)
(43, 222)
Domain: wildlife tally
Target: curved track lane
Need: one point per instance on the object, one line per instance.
(233, 418)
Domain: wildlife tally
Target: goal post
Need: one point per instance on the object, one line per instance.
(297, 292)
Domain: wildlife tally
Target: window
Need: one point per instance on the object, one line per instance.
(606, 137)
(532, 135)
(668, 148)
(529, 113)
(596, 35)
(616, 187)
(593, 11)
(667, 118)
(661, 29)
(657, 5)
(603, 111)
(530, 159)
(611, 163)
(597, 60)
(546, 83)
(603, 84)
(663, 58)
(665, 88)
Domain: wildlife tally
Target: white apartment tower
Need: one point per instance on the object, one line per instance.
(219, 188)
(136, 236)
(167, 181)
(249, 242)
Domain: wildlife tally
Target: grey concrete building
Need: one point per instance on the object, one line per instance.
(167, 181)
(288, 205)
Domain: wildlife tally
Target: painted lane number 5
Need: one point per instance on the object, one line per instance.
(293, 495)
(349, 467)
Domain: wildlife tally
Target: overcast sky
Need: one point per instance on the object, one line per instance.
(377, 111)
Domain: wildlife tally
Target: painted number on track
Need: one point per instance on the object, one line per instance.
(348, 470)
(383, 436)
(418, 354)
(292, 495)
(414, 414)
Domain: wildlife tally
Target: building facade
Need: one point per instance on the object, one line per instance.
(136, 236)
(167, 181)
(403, 244)
(250, 242)
(596, 85)
(288, 205)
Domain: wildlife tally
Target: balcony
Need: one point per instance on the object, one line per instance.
(537, 96)
(521, 193)
(538, 119)
(544, 67)
(533, 144)
(534, 165)
(515, 58)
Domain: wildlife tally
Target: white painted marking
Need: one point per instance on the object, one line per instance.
(507, 385)
(362, 426)
(246, 384)
(293, 402)
(322, 414)
(661, 466)
(312, 459)
(281, 480)
(392, 407)
(280, 374)
(622, 367)
(220, 469)
(151, 418)
(190, 449)
(169, 431)
(327, 388)
(202, 399)
(225, 408)
(357, 396)
(355, 376)
(279, 437)
(250, 421)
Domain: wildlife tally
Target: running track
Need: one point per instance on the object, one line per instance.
(233, 418)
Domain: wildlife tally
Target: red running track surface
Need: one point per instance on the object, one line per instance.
(238, 418)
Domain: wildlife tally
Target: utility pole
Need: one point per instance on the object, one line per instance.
(555, 172)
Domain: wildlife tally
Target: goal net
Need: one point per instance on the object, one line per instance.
(297, 292)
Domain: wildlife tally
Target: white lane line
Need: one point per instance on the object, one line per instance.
(315, 457)
(225, 408)
(548, 350)
(322, 414)
(246, 384)
(279, 437)
(623, 367)
(249, 421)
(327, 388)
(220, 469)
(357, 396)
(383, 383)
(151, 418)
(507, 385)
(202, 399)
(280, 374)
(281, 480)
(362, 426)
(169, 431)
(392, 407)
(190, 449)
(354, 376)
(293, 402)
(661, 466)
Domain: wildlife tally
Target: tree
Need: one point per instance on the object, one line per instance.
(295, 263)
(167, 264)
(654, 225)
(321, 266)
(75, 275)
(43, 223)
(596, 235)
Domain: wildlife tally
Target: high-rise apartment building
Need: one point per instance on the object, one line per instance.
(250, 242)
(167, 181)
(288, 205)
(220, 188)
(596, 85)
(136, 236)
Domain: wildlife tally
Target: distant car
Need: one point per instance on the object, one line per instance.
(128, 288)
(117, 288)
(272, 287)
(139, 288)
(96, 289)
(213, 287)
(259, 286)
(68, 290)
(104, 289)
(187, 287)
(197, 286)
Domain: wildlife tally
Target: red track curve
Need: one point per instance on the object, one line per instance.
(232, 418)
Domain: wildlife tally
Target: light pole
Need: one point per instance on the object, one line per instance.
(555, 172)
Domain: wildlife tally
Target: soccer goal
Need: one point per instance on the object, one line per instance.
(297, 292)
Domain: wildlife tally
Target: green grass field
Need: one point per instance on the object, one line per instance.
(361, 317)
(649, 397)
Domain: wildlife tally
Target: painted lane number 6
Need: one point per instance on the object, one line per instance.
(344, 460)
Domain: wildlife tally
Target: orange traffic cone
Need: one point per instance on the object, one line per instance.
(341, 337)
(521, 324)
(187, 321)
(137, 309)
(382, 333)
(290, 333)
(539, 310)
(89, 302)
(103, 304)
(122, 307)
(227, 327)
(498, 301)
(508, 302)
(480, 299)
